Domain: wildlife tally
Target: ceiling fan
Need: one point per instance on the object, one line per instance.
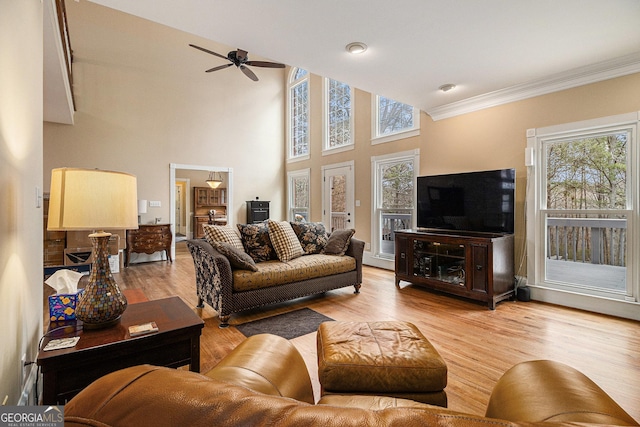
(240, 59)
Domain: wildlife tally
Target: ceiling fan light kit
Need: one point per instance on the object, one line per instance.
(240, 59)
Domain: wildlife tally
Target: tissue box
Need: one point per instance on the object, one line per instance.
(63, 306)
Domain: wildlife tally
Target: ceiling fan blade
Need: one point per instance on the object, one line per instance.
(249, 73)
(264, 64)
(209, 51)
(241, 55)
(220, 67)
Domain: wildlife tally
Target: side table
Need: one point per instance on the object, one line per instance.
(98, 352)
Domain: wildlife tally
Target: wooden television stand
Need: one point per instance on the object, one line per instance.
(478, 266)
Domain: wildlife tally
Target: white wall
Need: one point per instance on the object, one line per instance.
(144, 101)
(20, 175)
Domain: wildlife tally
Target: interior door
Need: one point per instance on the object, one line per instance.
(338, 197)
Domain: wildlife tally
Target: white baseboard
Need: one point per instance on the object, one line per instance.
(624, 309)
(29, 394)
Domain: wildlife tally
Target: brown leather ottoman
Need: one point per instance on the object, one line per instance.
(390, 358)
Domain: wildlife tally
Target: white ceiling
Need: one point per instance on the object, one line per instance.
(494, 51)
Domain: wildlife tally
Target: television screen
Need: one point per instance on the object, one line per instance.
(472, 201)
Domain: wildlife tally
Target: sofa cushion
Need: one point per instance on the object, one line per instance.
(338, 242)
(237, 258)
(222, 233)
(284, 240)
(312, 236)
(273, 273)
(256, 241)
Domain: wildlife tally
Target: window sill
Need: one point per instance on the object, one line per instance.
(298, 159)
(336, 150)
(395, 136)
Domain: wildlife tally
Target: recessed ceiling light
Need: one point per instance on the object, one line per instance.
(447, 87)
(356, 47)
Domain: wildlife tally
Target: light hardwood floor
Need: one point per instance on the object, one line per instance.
(478, 344)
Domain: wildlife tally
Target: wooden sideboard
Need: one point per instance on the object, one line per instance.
(148, 238)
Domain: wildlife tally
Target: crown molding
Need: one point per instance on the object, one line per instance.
(600, 71)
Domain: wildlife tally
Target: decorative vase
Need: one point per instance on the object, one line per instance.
(102, 303)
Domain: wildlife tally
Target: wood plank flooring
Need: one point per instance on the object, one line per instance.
(478, 344)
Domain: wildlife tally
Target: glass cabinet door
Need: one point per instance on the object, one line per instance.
(440, 261)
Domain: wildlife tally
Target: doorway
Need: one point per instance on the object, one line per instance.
(338, 201)
(182, 195)
(177, 173)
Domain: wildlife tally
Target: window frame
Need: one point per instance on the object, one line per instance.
(291, 177)
(377, 138)
(326, 150)
(293, 83)
(537, 212)
(385, 260)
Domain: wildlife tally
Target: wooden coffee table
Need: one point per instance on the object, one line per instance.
(98, 352)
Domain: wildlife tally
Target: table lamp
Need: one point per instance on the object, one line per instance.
(92, 199)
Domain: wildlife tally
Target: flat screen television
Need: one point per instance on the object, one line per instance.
(473, 201)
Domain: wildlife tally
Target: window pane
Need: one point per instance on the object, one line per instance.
(395, 202)
(299, 74)
(587, 250)
(300, 119)
(339, 114)
(397, 185)
(300, 192)
(588, 173)
(393, 116)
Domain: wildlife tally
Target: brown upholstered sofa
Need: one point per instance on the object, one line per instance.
(216, 279)
(264, 381)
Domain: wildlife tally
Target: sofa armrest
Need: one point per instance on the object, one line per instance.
(214, 277)
(544, 390)
(269, 364)
(356, 250)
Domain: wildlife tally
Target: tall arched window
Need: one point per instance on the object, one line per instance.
(298, 114)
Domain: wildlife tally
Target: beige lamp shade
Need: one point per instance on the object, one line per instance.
(92, 199)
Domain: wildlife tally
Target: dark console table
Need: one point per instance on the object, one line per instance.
(478, 266)
(148, 238)
(98, 352)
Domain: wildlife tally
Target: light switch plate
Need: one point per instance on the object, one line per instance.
(154, 204)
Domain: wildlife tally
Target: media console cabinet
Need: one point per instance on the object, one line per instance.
(478, 266)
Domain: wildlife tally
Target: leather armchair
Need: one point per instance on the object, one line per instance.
(264, 381)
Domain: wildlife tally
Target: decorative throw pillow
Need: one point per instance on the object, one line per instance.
(238, 259)
(339, 241)
(255, 238)
(284, 240)
(222, 233)
(312, 236)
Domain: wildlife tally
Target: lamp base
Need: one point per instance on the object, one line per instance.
(102, 303)
(107, 324)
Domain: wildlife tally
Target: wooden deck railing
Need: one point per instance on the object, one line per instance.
(588, 240)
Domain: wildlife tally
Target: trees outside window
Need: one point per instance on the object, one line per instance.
(299, 193)
(394, 188)
(338, 116)
(394, 120)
